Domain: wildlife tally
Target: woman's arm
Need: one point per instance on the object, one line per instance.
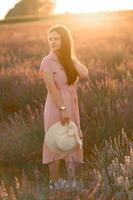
(49, 81)
(81, 69)
(46, 74)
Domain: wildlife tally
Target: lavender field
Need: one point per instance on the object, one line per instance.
(105, 46)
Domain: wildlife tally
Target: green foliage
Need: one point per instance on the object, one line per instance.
(31, 8)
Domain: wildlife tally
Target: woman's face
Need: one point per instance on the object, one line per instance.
(54, 40)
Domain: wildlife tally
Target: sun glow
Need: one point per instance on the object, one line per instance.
(76, 6)
(85, 6)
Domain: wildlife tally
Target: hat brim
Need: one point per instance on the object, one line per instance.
(55, 132)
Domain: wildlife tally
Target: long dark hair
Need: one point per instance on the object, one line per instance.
(65, 53)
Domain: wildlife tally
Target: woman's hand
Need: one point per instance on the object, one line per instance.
(65, 119)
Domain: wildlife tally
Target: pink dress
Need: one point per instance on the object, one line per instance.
(51, 111)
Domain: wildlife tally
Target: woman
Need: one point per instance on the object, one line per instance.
(61, 72)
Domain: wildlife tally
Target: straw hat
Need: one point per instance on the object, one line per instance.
(62, 139)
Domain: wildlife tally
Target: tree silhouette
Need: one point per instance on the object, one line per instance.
(31, 7)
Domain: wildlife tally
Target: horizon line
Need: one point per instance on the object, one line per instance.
(74, 13)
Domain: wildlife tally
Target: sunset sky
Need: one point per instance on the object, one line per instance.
(76, 6)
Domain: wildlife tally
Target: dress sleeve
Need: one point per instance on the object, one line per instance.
(44, 67)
